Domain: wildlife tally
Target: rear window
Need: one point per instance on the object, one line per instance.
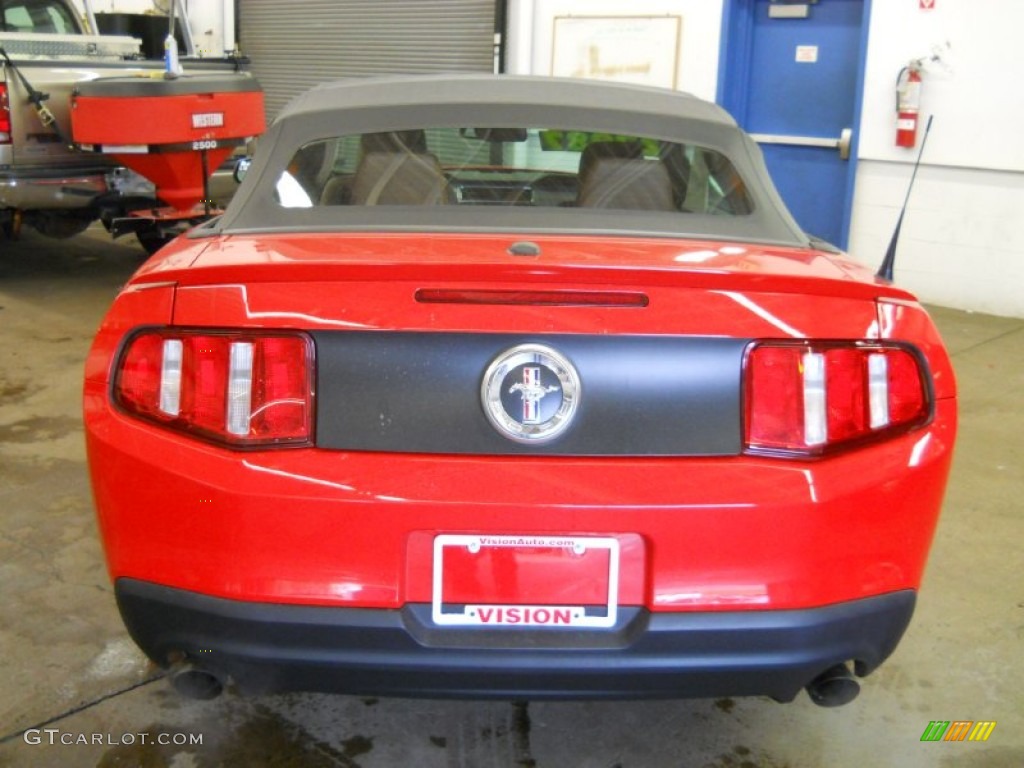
(531, 167)
(38, 16)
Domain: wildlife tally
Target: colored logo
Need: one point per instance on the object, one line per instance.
(958, 730)
(530, 393)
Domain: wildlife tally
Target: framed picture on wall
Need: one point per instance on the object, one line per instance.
(632, 49)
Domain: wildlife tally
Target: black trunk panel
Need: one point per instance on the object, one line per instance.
(421, 393)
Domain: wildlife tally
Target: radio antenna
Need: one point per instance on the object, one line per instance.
(886, 270)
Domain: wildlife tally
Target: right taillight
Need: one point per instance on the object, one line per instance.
(241, 389)
(806, 398)
(5, 116)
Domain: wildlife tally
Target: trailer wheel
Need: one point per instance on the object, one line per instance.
(59, 224)
(152, 240)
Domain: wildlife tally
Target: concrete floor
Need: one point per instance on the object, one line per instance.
(67, 664)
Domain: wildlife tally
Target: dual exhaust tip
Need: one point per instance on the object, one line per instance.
(191, 682)
(834, 687)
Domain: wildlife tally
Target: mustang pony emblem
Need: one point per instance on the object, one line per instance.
(532, 392)
(531, 371)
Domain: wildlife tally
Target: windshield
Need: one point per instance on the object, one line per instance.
(518, 167)
(37, 16)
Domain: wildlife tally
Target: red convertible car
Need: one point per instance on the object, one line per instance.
(514, 387)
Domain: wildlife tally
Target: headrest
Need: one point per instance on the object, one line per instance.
(628, 184)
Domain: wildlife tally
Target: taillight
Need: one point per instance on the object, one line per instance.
(808, 398)
(5, 116)
(240, 389)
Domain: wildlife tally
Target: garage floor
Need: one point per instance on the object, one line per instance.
(69, 672)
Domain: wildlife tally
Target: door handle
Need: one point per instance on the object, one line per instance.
(842, 143)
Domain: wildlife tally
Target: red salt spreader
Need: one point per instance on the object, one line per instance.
(173, 131)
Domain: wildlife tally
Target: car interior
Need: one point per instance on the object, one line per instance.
(513, 167)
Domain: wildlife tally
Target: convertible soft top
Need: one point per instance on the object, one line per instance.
(371, 105)
(416, 91)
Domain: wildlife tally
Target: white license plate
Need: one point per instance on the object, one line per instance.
(525, 582)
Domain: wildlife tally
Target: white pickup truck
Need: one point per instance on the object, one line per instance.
(45, 49)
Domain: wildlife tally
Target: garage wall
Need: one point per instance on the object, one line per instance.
(295, 45)
(531, 35)
(962, 244)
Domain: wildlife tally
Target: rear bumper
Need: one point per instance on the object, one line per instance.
(52, 189)
(271, 648)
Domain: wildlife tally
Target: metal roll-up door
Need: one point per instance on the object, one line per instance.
(295, 45)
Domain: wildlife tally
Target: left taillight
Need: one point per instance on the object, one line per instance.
(808, 398)
(5, 115)
(238, 389)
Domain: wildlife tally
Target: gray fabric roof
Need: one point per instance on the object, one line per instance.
(366, 105)
(421, 90)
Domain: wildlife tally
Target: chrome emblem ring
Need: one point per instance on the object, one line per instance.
(530, 393)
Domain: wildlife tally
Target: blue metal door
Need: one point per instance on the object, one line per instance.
(792, 75)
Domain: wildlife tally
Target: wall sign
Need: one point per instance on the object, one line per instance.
(632, 49)
(807, 54)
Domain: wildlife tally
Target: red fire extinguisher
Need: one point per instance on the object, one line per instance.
(908, 104)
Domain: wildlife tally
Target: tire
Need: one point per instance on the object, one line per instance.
(152, 240)
(59, 226)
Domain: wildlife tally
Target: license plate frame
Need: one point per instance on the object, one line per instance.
(526, 615)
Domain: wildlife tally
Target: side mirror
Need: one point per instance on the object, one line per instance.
(241, 168)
